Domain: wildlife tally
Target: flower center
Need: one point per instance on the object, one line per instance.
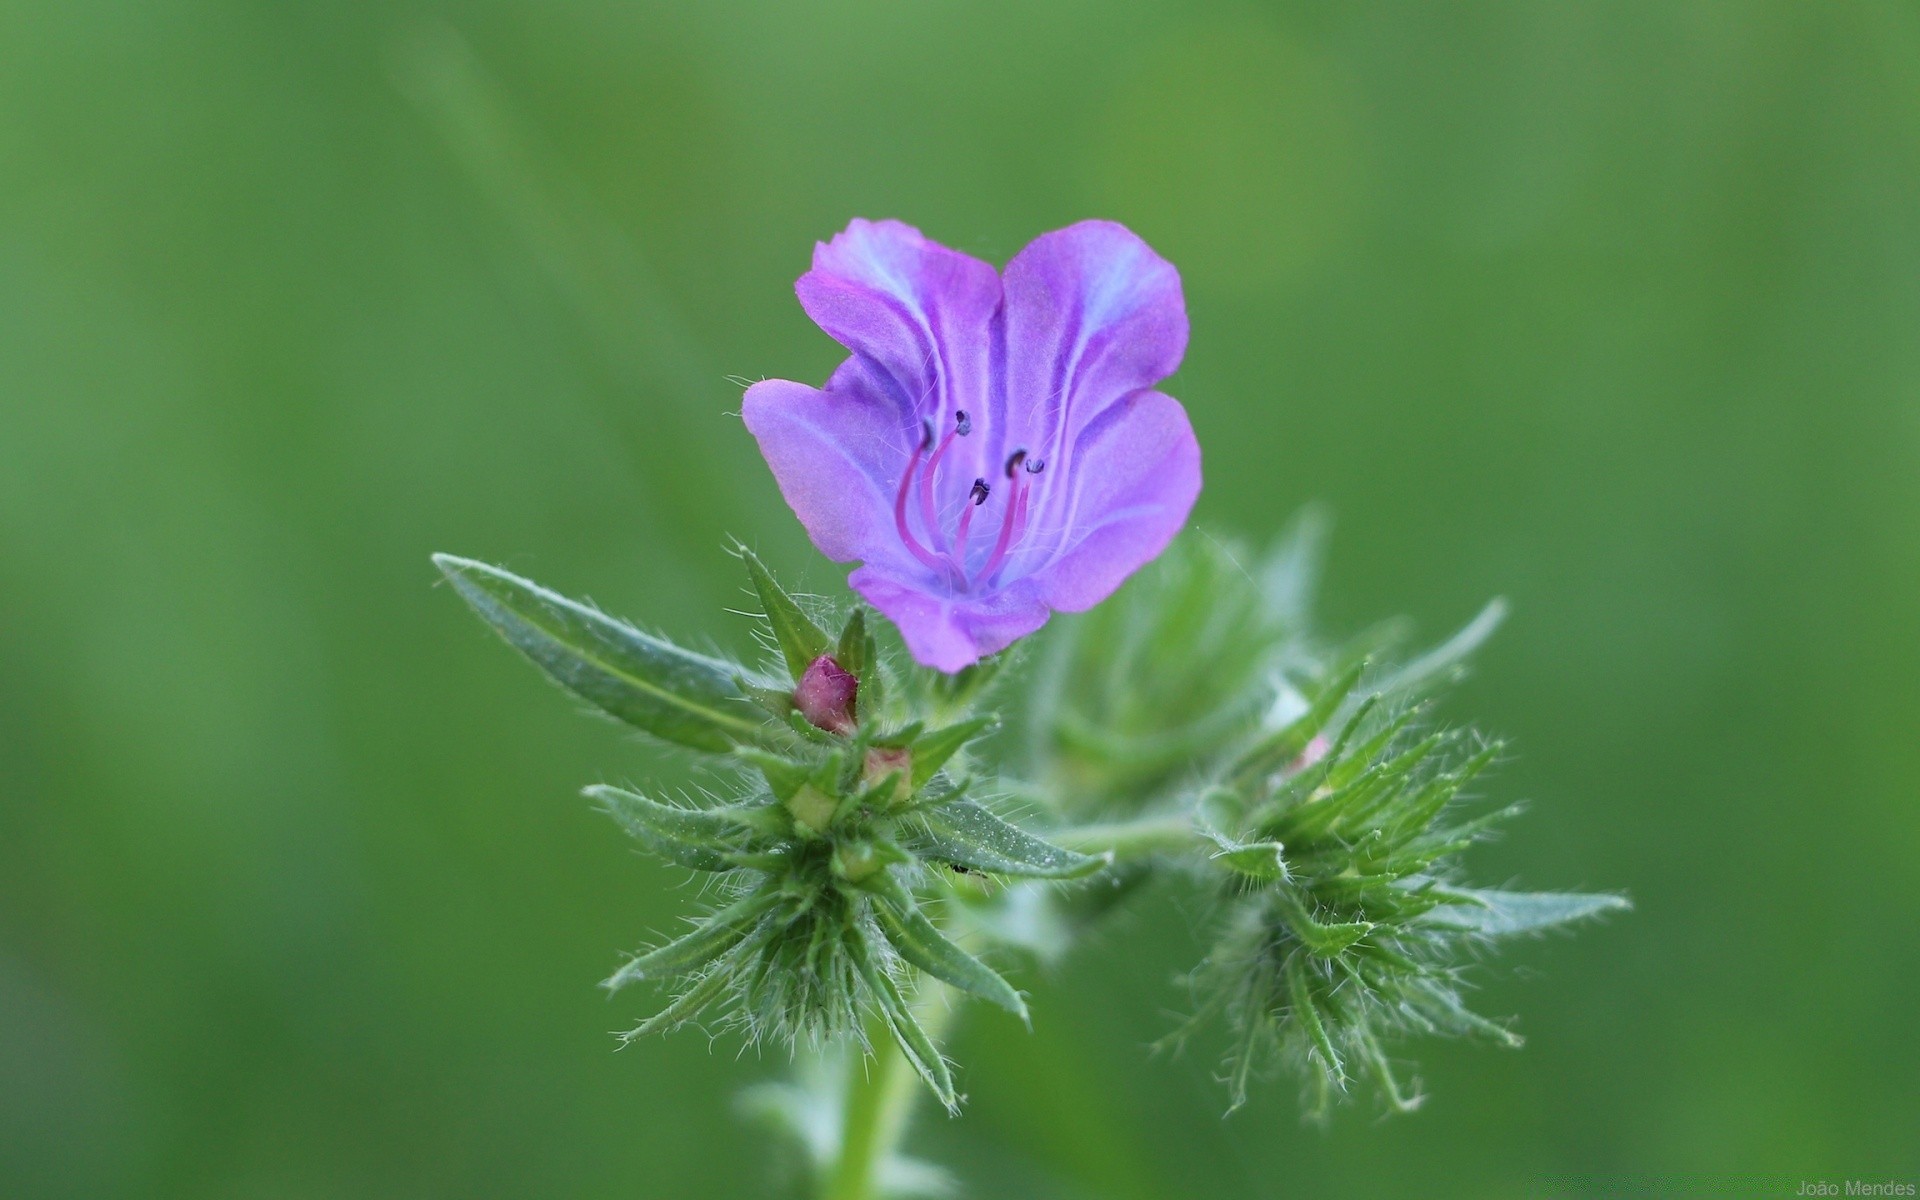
(943, 553)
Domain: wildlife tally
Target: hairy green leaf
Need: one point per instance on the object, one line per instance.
(907, 1030)
(923, 945)
(713, 937)
(800, 640)
(1498, 914)
(695, 839)
(932, 750)
(967, 835)
(651, 684)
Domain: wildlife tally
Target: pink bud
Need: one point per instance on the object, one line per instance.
(826, 694)
(1315, 751)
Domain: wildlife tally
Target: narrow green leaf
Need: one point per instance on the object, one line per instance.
(1284, 745)
(967, 835)
(1376, 1060)
(924, 1056)
(697, 840)
(1307, 1012)
(707, 941)
(923, 945)
(683, 1008)
(671, 693)
(1291, 571)
(1443, 1008)
(932, 750)
(1498, 914)
(800, 640)
(1437, 664)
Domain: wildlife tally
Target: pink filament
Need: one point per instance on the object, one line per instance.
(1012, 525)
(927, 558)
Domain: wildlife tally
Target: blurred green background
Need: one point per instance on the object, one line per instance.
(1613, 309)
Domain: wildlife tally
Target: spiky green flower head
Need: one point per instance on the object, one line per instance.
(1329, 811)
(849, 813)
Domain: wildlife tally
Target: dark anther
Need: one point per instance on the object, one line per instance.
(979, 492)
(1014, 460)
(926, 433)
(1036, 465)
(962, 423)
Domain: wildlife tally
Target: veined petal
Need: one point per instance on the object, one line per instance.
(1092, 316)
(948, 632)
(916, 313)
(1136, 476)
(833, 453)
(993, 450)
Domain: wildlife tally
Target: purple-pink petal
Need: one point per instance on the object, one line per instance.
(994, 449)
(950, 632)
(1093, 315)
(1137, 479)
(913, 310)
(830, 452)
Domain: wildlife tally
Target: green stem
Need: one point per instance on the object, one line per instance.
(1133, 839)
(881, 1089)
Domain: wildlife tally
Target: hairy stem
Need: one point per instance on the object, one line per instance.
(1125, 840)
(880, 1092)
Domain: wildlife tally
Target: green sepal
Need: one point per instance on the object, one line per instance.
(696, 839)
(1320, 938)
(932, 750)
(859, 656)
(800, 640)
(1500, 914)
(651, 684)
(864, 863)
(923, 945)
(965, 834)
(783, 775)
(1256, 860)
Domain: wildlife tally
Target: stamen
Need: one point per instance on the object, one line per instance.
(962, 426)
(1013, 523)
(1035, 466)
(927, 558)
(977, 496)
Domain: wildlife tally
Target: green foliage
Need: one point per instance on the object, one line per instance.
(832, 847)
(1192, 726)
(674, 694)
(1328, 823)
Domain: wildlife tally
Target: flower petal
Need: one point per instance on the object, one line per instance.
(833, 453)
(949, 632)
(1136, 477)
(1093, 315)
(914, 311)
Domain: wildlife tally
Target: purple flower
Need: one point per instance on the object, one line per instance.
(994, 450)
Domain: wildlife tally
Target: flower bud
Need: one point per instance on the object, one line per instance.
(884, 761)
(826, 694)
